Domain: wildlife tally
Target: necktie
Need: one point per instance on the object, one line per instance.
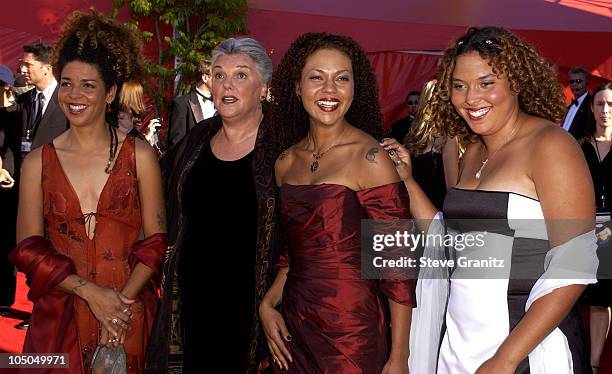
(38, 106)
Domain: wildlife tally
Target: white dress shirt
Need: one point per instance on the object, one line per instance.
(208, 107)
(571, 112)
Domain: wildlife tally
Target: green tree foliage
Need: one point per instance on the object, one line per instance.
(198, 26)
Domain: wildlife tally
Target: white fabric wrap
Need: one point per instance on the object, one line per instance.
(431, 294)
(574, 262)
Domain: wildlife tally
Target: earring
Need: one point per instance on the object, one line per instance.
(108, 108)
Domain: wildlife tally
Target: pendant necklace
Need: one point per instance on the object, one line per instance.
(512, 135)
(317, 155)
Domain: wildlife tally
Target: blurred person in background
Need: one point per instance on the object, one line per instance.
(10, 153)
(596, 148)
(435, 165)
(400, 129)
(579, 119)
(131, 109)
(186, 111)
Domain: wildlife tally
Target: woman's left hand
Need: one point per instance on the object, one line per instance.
(400, 156)
(495, 365)
(6, 181)
(396, 367)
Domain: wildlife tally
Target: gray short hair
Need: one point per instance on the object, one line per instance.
(249, 47)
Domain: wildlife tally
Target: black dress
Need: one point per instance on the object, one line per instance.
(428, 171)
(600, 293)
(217, 268)
(10, 126)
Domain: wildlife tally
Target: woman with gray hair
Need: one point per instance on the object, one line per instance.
(221, 202)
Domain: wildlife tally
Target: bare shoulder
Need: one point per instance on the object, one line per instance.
(146, 157)
(284, 161)
(374, 167)
(33, 162)
(550, 145)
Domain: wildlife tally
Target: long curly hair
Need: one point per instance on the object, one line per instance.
(114, 49)
(287, 110)
(534, 79)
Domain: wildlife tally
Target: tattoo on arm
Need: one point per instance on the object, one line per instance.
(371, 155)
(161, 220)
(81, 282)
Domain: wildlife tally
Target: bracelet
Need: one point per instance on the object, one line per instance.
(82, 282)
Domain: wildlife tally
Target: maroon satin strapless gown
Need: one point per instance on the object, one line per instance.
(337, 319)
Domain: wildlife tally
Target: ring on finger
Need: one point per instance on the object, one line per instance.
(126, 310)
(392, 152)
(399, 162)
(114, 321)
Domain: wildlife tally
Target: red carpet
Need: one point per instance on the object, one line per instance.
(11, 339)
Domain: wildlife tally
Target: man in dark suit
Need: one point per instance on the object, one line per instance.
(188, 110)
(579, 119)
(400, 129)
(42, 118)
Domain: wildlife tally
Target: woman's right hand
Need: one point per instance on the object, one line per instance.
(400, 156)
(109, 307)
(109, 341)
(276, 334)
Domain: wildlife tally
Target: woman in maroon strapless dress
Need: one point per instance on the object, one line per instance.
(331, 320)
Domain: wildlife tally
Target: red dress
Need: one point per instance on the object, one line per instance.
(103, 259)
(337, 320)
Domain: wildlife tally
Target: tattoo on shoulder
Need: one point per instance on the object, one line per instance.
(161, 220)
(371, 155)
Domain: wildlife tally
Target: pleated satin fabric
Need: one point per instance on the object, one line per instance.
(338, 321)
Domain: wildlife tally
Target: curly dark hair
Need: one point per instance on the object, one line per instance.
(531, 76)
(114, 49)
(287, 110)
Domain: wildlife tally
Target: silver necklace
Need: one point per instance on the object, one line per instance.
(484, 163)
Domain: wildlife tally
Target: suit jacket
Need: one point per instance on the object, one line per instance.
(52, 123)
(185, 113)
(584, 120)
(400, 129)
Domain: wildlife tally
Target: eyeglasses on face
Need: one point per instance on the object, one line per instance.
(412, 102)
(577, 81)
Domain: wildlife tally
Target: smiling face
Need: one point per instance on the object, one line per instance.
(82, 95)
(484, 100)
(326, 86)
(237, 87)
(602, 108)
